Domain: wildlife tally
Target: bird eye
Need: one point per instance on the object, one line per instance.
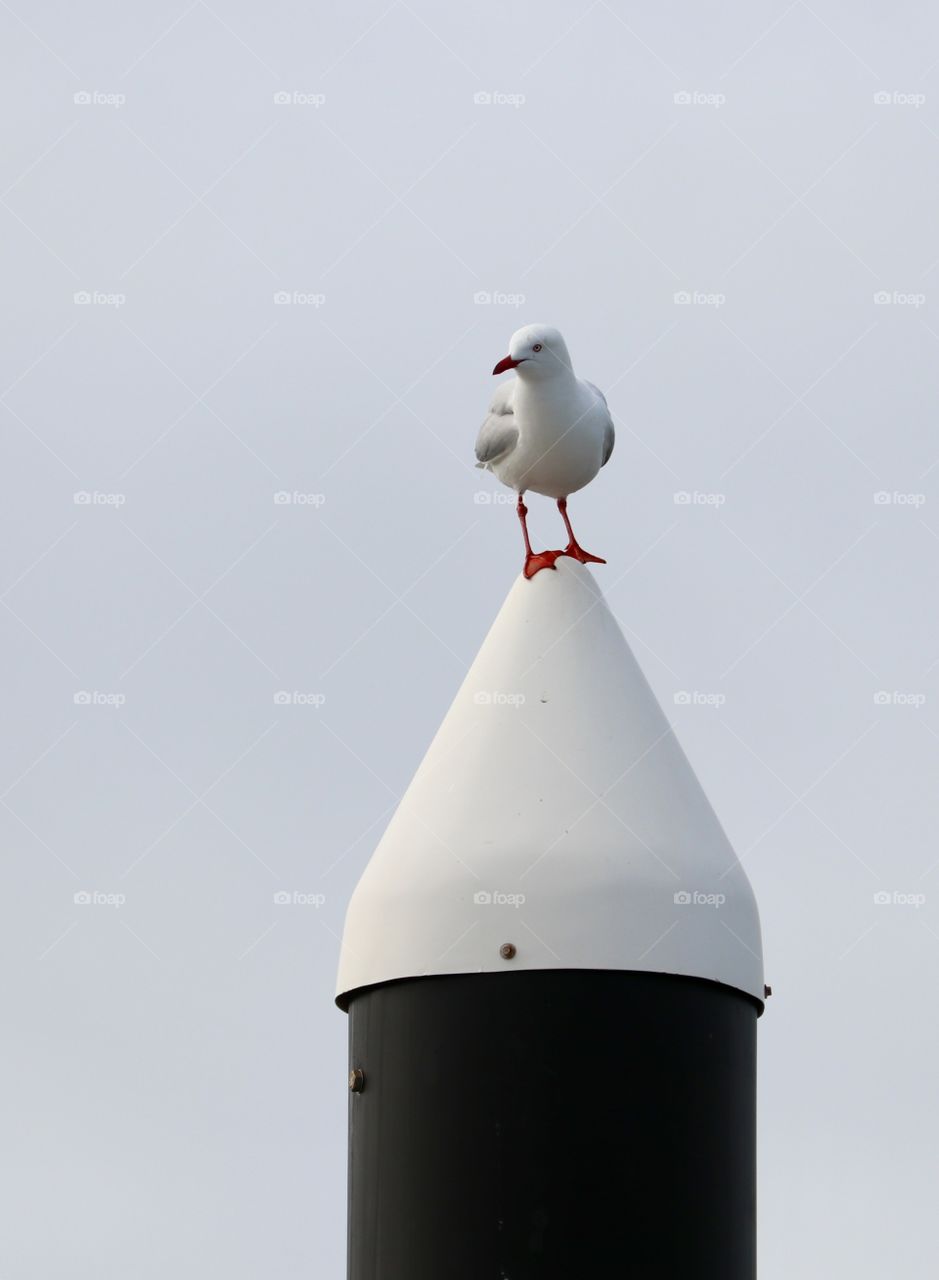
(536, 347)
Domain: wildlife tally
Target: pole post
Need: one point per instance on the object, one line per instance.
(552, 1034)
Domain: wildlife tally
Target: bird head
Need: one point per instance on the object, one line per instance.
(536, 351)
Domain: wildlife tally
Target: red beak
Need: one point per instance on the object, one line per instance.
(507, 363)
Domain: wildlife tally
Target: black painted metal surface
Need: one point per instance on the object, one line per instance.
(552, 1124)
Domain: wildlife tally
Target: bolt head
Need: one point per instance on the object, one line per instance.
(508, 951)
(357, 1080)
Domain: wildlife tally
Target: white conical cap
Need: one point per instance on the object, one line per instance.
(555, 811)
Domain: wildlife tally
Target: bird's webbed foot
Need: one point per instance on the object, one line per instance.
(537, 560)
(577, 552)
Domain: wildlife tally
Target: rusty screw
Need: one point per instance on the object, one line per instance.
(508, 951)
(357, 1080)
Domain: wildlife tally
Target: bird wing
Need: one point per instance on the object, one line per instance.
(609, 434)
(498, 435)
(609, 439)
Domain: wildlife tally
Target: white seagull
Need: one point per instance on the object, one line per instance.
(546, 430)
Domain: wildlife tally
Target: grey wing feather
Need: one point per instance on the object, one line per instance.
(609, 439)
(498, 435)
(609, 435)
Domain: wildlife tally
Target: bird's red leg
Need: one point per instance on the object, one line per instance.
(533, 562)
(573, 547)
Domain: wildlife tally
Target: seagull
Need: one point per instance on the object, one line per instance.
(547, 430)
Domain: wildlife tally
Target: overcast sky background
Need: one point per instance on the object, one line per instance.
(175, 1068)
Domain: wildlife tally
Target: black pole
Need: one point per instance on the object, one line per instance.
(552, 1125)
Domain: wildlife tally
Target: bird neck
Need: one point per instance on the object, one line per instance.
(553, 376)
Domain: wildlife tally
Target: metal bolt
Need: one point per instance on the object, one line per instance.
(767, 992)
(357, 1080)
(507, 951)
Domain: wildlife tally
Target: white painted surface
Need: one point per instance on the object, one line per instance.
(556, 786)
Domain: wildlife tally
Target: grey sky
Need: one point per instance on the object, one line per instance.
(175, 1067)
